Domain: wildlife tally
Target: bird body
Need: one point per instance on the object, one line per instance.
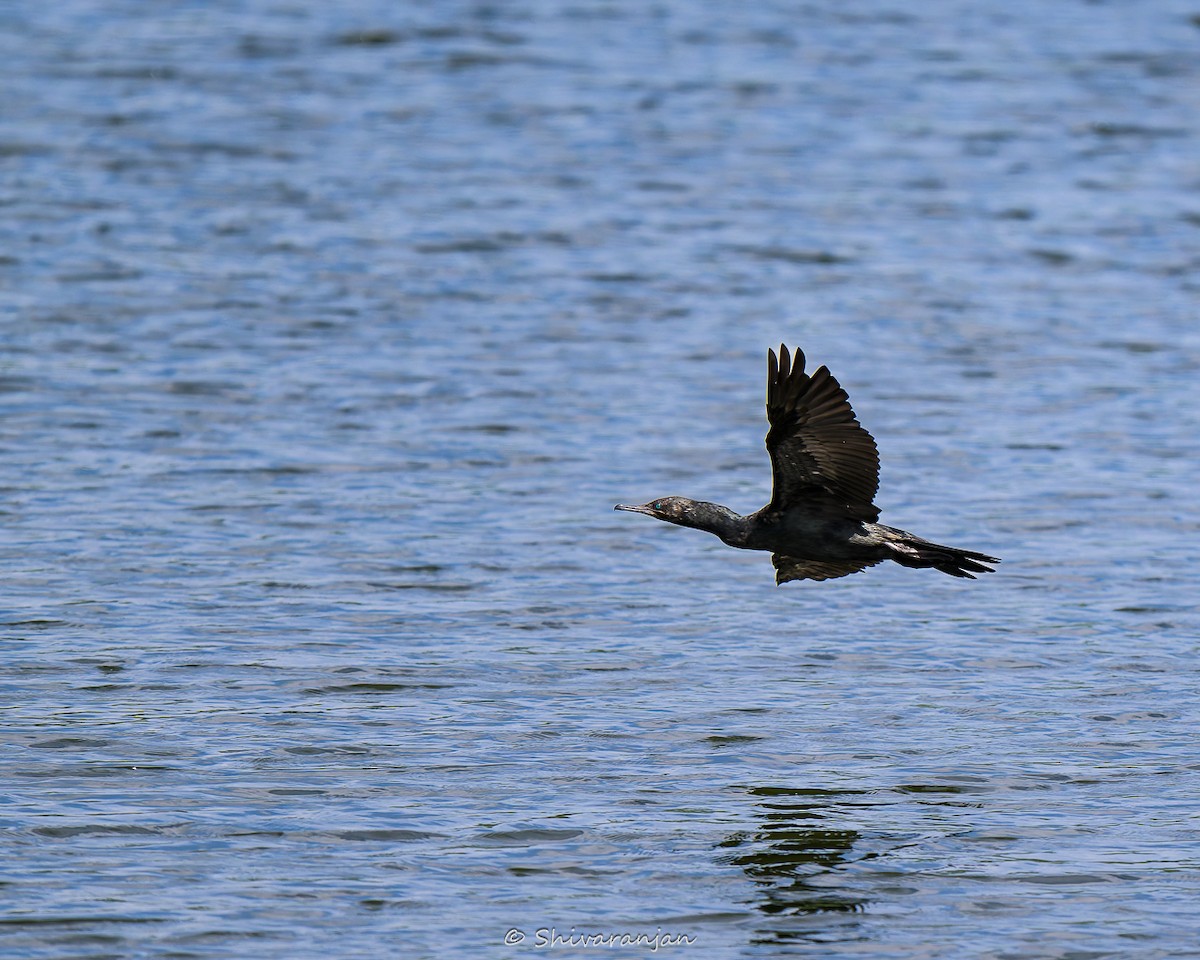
(821, 521)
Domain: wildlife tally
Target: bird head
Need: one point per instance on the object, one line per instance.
(672, 509)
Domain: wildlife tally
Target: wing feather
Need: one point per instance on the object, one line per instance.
(791, 568)
(819, 451)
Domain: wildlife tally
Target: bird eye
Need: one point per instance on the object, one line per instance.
(658, 504)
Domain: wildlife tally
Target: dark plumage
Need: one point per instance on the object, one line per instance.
(821, 521)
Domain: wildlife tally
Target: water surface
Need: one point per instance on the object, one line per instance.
(331, 335)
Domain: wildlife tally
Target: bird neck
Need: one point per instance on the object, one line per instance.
(716, 519)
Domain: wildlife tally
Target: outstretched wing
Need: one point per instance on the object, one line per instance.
(820, 453)
(790, 568)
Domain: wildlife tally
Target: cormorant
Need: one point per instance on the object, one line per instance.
(821, 521)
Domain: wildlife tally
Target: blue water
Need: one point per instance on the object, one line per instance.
(332, 332)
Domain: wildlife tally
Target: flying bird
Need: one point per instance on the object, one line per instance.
(821, 522)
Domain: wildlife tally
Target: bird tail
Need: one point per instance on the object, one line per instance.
(912, 551)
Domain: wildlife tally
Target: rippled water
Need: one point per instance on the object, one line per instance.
(331, 335)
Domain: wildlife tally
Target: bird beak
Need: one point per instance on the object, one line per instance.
(635, 509)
